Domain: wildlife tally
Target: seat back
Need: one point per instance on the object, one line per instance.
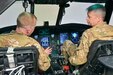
(26, 56)
(97, 49)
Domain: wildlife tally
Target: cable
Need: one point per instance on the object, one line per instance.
(19, 72)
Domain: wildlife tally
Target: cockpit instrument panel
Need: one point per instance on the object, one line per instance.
(56, 40)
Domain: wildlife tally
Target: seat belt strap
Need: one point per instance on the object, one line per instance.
(10, 56)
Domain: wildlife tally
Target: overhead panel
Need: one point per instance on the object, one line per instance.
(64, 1)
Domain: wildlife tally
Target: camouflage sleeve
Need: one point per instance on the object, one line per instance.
(0, 43)
(43, 61)
(65, 48)
(68, 49)
(81, 54)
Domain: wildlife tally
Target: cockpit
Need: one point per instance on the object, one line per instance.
(58, 21)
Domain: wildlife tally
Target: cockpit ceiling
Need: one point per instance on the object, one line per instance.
(63, 1)
(92, 1)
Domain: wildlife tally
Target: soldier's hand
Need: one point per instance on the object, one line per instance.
(48, 50)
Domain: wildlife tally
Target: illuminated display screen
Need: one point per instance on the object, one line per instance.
(74, 37)
(63, 37)
(45, 41)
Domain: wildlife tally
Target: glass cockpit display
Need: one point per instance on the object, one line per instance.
(63, 37)
(74, 37)
(56, 40)
(45, 41)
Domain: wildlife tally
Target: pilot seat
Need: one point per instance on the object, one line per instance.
(99, 59)
(20, 60)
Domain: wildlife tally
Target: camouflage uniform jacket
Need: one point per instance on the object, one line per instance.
(14, 39)
(78, 55)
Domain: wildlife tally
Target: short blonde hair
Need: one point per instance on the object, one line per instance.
(25, 17)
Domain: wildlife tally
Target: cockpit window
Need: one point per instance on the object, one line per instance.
(76, 13)
(46, 13)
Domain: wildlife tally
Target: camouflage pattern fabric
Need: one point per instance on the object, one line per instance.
(79, 56)
(68, 49)
(14, 39)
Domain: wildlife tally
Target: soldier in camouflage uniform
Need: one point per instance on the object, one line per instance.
(100, 31)
(26, 23)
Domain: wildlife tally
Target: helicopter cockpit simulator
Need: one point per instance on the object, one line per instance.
(58, 21)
